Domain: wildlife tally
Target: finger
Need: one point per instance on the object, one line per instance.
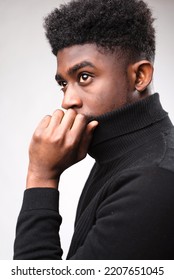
(40, 128)
(56, 118)
(68, 120)
(44, 122)
(79, 126)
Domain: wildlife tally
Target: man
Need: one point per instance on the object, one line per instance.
(105, 53)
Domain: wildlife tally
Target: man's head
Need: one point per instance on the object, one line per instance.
(117, 38)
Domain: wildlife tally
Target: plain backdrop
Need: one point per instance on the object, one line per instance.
(28, 91)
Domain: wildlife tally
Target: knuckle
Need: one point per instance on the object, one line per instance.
(46, 139)
(69, 142)
(54, 138)
(37, 136)
(58, 140)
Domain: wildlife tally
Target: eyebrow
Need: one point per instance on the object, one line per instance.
(75, 68)
(78, 66)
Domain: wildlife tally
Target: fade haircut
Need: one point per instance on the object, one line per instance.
(124, 25)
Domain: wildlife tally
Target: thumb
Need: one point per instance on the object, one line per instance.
(86, 139)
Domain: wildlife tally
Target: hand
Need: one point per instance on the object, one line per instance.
(59, 141)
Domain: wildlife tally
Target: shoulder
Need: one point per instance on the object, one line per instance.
(150, 188)
(149, 179)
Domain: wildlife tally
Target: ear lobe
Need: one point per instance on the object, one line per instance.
(144, 74)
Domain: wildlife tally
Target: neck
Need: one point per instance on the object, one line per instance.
(119, 130)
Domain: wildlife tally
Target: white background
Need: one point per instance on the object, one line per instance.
(28, 91)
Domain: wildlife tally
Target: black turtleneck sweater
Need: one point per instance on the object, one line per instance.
(126, 208)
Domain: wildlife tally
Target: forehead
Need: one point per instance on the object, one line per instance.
(68, 57)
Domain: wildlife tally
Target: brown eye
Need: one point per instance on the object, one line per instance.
(85, 78)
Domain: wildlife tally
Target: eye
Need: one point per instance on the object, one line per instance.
(62, 84)
(85, 78)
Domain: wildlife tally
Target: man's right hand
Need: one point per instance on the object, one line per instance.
(59, 141)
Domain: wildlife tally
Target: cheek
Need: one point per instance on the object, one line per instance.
(103, 95)
(110, 94)
(112, 84)
(100, 100)
(107, 90)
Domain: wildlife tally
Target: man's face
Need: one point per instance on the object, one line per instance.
(93, 82)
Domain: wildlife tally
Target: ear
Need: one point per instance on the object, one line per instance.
(142, 74)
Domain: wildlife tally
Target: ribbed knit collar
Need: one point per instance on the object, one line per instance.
(118, 129)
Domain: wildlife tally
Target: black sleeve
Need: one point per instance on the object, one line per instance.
(135, 221)
(37, 231)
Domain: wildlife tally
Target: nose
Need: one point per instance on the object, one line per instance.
(71, 99)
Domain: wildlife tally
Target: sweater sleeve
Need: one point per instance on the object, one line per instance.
(37, 231)
(134, 220)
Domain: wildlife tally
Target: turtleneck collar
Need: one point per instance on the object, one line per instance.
(116, 129)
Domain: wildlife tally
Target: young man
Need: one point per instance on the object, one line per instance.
(105, 52)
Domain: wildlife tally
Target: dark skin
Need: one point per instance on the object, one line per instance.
(94, 82)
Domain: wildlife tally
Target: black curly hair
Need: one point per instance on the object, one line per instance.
(126, 25)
